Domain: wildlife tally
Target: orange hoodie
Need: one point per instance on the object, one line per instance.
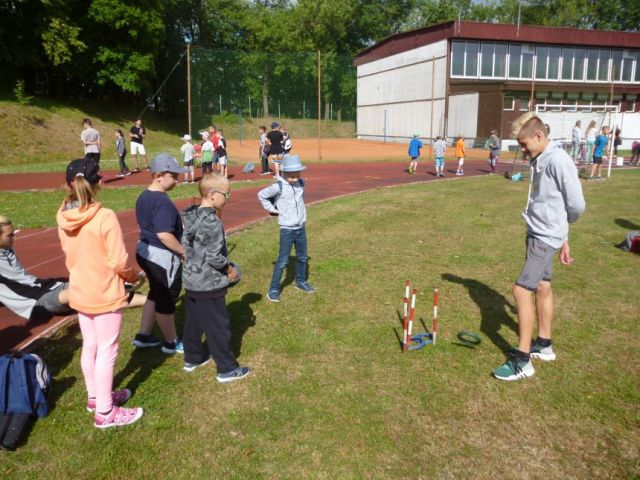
(97, 259)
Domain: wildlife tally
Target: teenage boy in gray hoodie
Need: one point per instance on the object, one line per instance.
(554, 201)
(285, 198)
(206, 275)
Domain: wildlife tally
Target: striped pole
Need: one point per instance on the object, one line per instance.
(434, 325)
(411, 314)
(405, 326)
(407, 287)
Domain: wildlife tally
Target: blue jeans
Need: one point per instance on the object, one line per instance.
(289, 238)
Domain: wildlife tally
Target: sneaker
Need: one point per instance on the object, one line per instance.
(173, 347)
(546, 354)
(265, 173)
(143, 340)
(273, 296)
(190, 367)
(127, 174)
(120, 175)
(235, 374)
(514, 369)
(119, 397)
(305, 287)
(118, 417)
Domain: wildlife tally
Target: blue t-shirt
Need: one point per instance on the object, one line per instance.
(414, 148)
(156, 213)
(601, 142)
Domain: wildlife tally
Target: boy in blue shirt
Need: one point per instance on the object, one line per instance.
(414, 152)
(285, 198)
(599, 150)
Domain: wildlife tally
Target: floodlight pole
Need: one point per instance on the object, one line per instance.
(319, 111)
(189, 84)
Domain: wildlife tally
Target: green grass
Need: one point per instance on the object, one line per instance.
(37, 209)
(332, 396)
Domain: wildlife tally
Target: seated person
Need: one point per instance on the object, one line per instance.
(27, 295)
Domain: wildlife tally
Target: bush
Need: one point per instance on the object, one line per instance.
(20, 94)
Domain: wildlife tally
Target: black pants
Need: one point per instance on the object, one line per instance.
(208, 316)
(123, 165)
(265, 163)
(93, 155)
(207, 167)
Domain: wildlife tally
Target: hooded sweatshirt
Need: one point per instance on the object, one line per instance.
(288, 201)
(555, 196)
(96, 258)
(204, 272)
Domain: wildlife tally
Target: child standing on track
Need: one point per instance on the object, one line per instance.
(263, 151)
(493, 144)
(276, 150)
(460, 154)
(98, 266)
(121, 150)
(188, 154)
(554, 201)
(285, 198)
(207, 275)
(599, 150)
(414, 153)
(159, 253)
(222, 153)
(206, 154)
(439, 150)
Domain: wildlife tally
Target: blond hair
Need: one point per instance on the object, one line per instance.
(5, 221)
(212, 181)
(527, 124)
(81, 191)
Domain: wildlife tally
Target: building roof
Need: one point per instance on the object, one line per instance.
(405, 41)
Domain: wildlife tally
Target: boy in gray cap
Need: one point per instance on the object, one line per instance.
(285, 198)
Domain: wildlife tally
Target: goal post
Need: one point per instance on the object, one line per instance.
(562, 118)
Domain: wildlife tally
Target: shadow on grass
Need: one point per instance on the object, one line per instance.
(627, 224)
(495, 309)
(242, 318)
(290, 272)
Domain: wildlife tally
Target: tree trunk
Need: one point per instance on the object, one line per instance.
(327, 111)
(265, 91)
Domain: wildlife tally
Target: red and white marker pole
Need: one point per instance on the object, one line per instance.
(434, 325)
(412, 312)
(405, 326)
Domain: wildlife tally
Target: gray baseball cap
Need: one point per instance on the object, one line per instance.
(164, 162)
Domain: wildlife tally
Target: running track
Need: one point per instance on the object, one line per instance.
(39, 249)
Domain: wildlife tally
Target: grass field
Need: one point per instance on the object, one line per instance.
(45, 136)
(332, 396)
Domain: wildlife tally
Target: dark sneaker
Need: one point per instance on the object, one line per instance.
(173, 347)
(235, 374)
(514, 369)
(546, 354)
(146, 341)
(305, 287)
(273, 296)
(119, 397)
(190, 367)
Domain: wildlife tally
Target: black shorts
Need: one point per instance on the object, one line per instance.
(164, 295)
(597, 160)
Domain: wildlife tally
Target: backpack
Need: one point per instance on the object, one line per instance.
(25, 385)
(248, 168)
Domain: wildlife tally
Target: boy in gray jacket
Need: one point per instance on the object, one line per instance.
(554, 201)
(206, 275)
(285, 198)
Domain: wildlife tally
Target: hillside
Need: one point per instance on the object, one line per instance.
(46, 135)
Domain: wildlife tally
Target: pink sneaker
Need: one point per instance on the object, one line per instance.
(118, 417)
(119, 397)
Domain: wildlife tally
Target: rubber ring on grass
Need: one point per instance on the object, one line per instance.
(469, 338)
(416, 343)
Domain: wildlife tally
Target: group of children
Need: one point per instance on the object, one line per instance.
(273, 145)
(174, 249)
(210, 153)
(439, 151)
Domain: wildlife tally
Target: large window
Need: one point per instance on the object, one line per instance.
(547, 62)
(520, 61)
(464, 59)
(603, 65)
(493, 60)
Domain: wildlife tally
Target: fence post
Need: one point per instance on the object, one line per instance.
(240, 120)
(220, 100)
(250, 108)
(304, 108)
(384, 127)
(278, 109)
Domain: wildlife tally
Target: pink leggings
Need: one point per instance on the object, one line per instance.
(100, 344)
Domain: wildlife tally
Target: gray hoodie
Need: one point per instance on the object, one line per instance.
(205, 251)
(555, 196)
(288, 201)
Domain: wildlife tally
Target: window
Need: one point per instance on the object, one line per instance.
(627, 65)
(508, 103)
(515, 52)
(542, 53)
(637, 76)
(500, 60)
(524, 104)
(486, 69)
(493, 63)
(520, 61)
(630, 101)
(527, 61)
(603, 65)
(471, 60)
(464, 61)
(553, 63)
(578, 63)
(457, 59)
(592, 64)
(567, 63)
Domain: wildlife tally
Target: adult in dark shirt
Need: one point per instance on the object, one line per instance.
(136, 135)
(276, 150)
(159, 253)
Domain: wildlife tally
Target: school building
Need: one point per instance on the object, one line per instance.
(470, 77)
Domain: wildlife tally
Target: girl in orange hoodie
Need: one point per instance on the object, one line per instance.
(98, 266)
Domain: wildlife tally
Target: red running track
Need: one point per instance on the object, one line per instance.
(39, 249)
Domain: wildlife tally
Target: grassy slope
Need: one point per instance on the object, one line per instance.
(331, 396)
(46, 135)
